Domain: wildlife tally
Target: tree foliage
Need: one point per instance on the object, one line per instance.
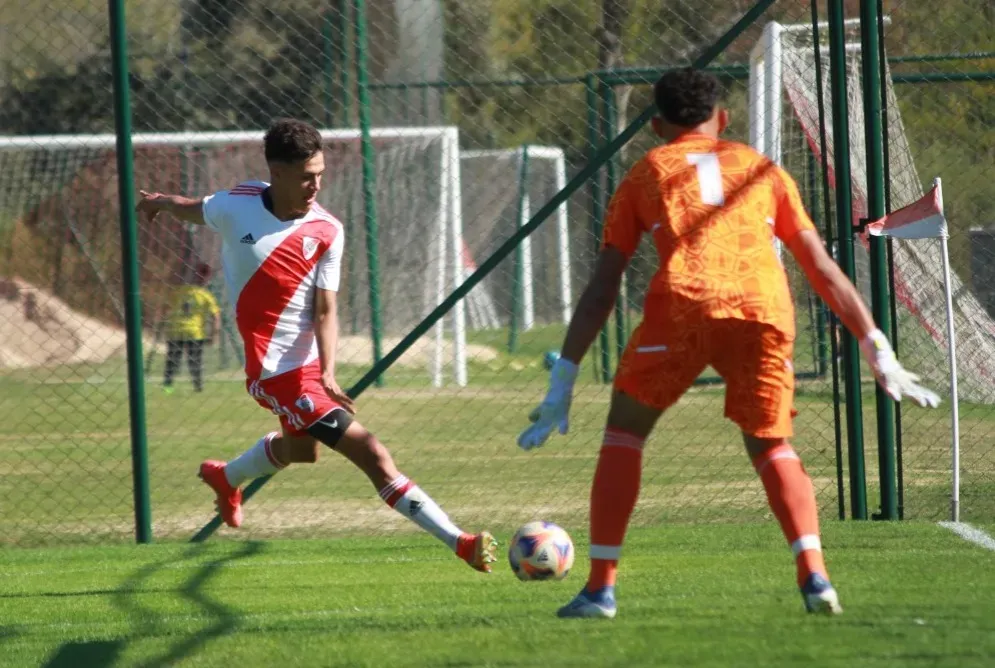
(236, 64)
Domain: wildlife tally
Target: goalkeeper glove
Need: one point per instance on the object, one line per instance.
(554, 410)
(891, 375)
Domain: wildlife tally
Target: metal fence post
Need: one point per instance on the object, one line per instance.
(129, 266)
(369, 184)
(844, 224)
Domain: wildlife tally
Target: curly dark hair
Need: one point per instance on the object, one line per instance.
(289, 140)
(686, 97)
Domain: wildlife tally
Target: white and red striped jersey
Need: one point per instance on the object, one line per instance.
(272, 268)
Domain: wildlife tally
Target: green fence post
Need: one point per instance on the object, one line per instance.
(345, 121)
(342, 28)
(822, 345)
(844, 225)
(828, 222)
(880, 303)
(518, 280)
(597, 207)
(129, 266)
(328, 66)
(369, 185)
(609, 122)
(893, 304)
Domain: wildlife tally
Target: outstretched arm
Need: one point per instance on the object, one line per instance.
(593, 310)
(187, 209)
(620, 237)
(595, 304)
(839, 293)
(829, 281)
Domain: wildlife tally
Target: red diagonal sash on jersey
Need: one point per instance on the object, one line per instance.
(268, 292)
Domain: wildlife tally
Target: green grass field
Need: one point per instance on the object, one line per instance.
(322, 573)
(66, 467)
(719, 595)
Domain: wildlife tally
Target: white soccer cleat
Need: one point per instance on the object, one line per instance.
(820, 597)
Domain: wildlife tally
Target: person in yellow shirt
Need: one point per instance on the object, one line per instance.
(192, 321)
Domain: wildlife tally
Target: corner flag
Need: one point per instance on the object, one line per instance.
(924, 219)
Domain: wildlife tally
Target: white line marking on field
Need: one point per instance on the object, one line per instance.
(971, 534)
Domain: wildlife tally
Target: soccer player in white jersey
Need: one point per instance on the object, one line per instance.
(281, 256)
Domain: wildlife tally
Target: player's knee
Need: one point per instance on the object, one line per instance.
(308, 453)
(757, 446)
(301, 450)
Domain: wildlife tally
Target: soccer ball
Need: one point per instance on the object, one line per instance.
(541, 551)
(549, 359)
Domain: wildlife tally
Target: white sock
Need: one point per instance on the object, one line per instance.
(255, 462)
(408, 499)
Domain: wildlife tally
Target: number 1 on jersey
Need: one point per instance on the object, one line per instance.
(709, 177)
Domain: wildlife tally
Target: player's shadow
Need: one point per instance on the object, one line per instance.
(224, 618)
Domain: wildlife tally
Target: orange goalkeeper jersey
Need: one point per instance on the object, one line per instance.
(713, 208)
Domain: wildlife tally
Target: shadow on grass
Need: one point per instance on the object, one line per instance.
(93, 654)
(225, 620)
(147, 623)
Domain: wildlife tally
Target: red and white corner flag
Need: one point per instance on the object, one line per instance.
(923, 219)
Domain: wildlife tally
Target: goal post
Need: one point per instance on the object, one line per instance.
(503, 187)
(64, 185)
(935, 311)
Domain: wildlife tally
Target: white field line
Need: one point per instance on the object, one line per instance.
(971, 534)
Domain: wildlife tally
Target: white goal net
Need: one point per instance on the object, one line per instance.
(784, 95)
(60, 194)
(502, 188)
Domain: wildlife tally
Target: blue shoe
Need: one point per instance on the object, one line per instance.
(819, 596)
(587, 604)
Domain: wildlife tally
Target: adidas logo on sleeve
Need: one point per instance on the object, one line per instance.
(247, 239)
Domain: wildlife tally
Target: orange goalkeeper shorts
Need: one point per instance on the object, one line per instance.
(663, 359)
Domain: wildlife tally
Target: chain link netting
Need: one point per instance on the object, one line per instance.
(481, 111)
(940, 125)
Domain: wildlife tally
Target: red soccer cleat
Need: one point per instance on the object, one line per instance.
(229, 502)
(477, 550)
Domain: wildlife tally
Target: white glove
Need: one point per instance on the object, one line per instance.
(554, 410)
(891, 375)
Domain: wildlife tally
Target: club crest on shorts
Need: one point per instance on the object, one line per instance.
(304, 402)
(310, 247)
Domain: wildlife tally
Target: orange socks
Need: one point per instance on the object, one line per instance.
(792, 498)
(613, 497)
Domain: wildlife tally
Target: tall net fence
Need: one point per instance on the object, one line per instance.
(923, 64)
(480, 111)
(940, 126)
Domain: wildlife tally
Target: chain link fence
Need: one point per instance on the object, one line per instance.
(481, 111)
(939, 125)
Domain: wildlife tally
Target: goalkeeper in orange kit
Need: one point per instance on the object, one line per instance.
(720, 297)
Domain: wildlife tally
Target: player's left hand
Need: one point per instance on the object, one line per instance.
(151, 204)
(896, 380)
(336, 392)
(554, 411)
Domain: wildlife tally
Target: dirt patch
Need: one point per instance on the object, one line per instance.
(37, 329)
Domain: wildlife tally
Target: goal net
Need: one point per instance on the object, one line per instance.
(784, 100)
(60, 206)
(501, 190)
